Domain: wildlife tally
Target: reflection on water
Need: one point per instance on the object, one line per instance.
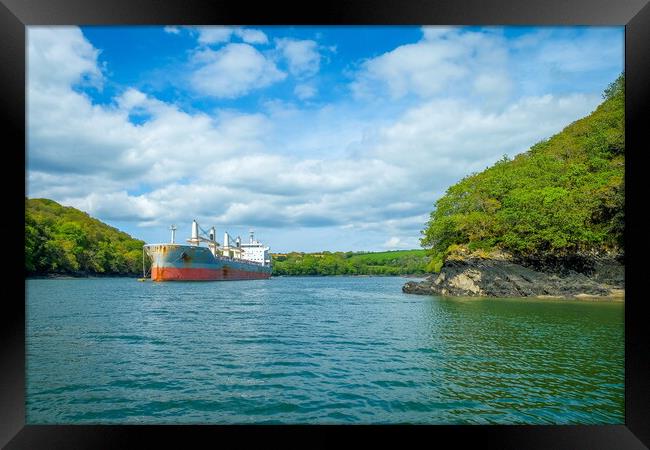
(531, 361)
(315, 350)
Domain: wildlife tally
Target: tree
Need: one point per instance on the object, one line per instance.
(61, 239)
(565, 194)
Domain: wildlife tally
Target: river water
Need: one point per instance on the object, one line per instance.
(315, 351)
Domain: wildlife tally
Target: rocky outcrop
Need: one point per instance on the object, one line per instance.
(573, 276)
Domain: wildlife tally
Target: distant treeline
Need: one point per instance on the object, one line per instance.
(64, 240)
(402, 262)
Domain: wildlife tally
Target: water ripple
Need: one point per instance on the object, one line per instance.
(315, 350)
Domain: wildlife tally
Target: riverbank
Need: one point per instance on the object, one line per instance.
(579, 276)
(418, 276)
(70, 276)
(139, 275)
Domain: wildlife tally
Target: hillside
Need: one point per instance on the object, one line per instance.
(64, 240)
(400, 262)
(549, 222)
(564, 196)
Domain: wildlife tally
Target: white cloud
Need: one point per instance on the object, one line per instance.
(395, 242)
(60, 56)
(131, 98)
(390, 186)
(305, 91)
(445, 61)
(455, 62)
(443, 140)
(119, 205)
(97, 148)
(424, 68)
(431, 33)
(172, 30)
(495, 87)
(233, 70)
(571, 51)
(252, 36)
(214, 34)
(220, 34)
(302, 56)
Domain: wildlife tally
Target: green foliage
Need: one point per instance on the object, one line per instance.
(435, 264)
(615, 88)
(565, 194)
(400, 262)
(65, 240)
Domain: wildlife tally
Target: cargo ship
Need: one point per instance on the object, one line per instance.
(230, 260)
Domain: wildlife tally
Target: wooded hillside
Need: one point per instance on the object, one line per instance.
(564, 195)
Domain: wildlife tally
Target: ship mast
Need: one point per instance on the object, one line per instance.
(173, 229)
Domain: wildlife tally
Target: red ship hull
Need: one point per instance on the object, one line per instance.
(199, 274)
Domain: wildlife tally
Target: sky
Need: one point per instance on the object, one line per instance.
(336, 138)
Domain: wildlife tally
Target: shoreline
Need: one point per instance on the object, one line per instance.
(421, 276)
(618, 297)
(61, 276)
(579, 298)
(69, 276)
(583, 278)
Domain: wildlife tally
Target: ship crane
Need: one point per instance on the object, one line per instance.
(197, 237)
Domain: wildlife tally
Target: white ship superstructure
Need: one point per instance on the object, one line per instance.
(255, 250)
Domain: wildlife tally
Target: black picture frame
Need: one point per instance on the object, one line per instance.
(15, 15)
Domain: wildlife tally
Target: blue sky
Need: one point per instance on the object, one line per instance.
(319, 138)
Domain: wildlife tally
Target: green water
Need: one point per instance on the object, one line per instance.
(315, 350)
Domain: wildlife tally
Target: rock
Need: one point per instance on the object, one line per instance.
(572, 276)
(413, 287)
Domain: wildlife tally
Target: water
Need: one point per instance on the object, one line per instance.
(315, 350)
